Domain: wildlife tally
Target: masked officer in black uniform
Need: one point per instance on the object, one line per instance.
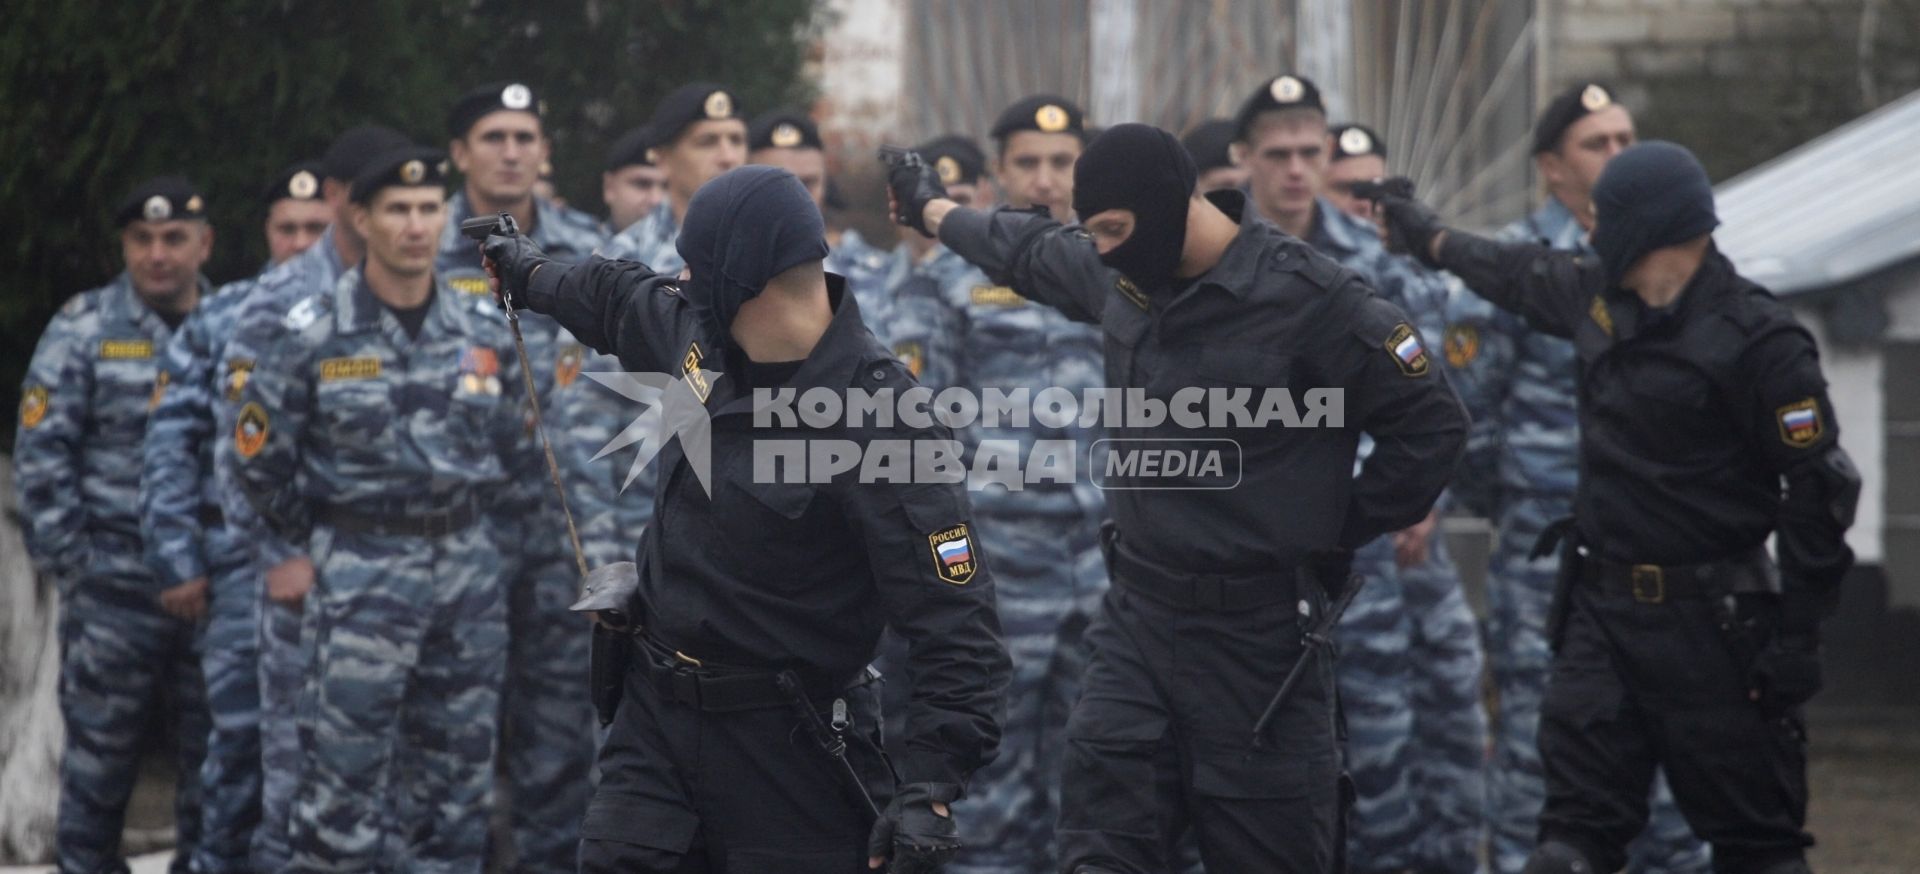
(706, 767)
(1704, 427)
(1213, 577)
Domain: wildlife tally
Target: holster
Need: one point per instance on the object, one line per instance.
(609, 592)
(608, 658)
(1563, 536)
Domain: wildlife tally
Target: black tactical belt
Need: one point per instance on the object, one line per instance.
(719, 689)
(439, 523)
(1657, 584)
(1186, 590)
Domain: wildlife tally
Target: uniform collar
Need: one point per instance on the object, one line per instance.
(1244, 254)
(1555, 224)
(125, 305)
(1335, 233)
(356, 310)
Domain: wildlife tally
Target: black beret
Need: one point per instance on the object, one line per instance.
(630, 149)
(955, 158)
(1354, 140)
(491, 97)
(411, 165)
(1046, 113)
(161, 199)
(783, 129)
(687, 104)
(1285, 91)
(1573, 104)
(351, 151)
(298, 182)
(1207, 144)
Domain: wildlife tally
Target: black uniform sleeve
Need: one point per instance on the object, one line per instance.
(1792, 424)
(1396, 395)
(621, 308)
(937, 591)
(1039, 257)
(1552, 290)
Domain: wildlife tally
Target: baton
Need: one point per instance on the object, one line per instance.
(1314, 642)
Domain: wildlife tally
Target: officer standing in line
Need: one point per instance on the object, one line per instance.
(1521, 471)
(707, 766)
(497, 141)
(632, 186)
(696, 132)
(1450, 732)
(1412, 808)
(788, 139)
(1359, 155)
(381, 424)
(188, 541)
(1212, 576)
(1210, 144)
(295, 220)
(127, 637)
(207, 371)
(973, 334)
(1705, 428)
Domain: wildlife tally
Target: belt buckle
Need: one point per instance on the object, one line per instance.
(1649, 584)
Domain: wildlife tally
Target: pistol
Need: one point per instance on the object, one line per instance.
(1379, 189)
(479, 228)
(897, 156)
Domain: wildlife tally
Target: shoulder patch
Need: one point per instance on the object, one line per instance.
(566, 367)
(341, 369)
(1800, 423)
(250, 430)
(1600, 315)
(33, 406)
(911, 354)
(690, 369)
(239, 370)
(953, 560)
(126, 349)
(996, 296)
(1461, 345)
(1405, 347)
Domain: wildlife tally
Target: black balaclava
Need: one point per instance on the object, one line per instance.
(1652, 195)
(1145, 170)
(743, 228)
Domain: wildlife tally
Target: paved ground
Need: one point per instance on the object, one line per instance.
(1865, 773)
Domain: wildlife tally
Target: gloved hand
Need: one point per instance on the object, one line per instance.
(1411, 227)
(1786, 674)
(512, 261)
(911, 834)
(914, 183)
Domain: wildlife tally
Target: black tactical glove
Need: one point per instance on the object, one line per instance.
(909, 834)
(514, 259)
(914, 184)
(1787, 672)
(1411, 227)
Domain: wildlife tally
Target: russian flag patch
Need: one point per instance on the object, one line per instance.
(953, 560)
(1408, 353)
(1800, 423)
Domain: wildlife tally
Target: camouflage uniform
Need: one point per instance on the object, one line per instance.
(953, 327)
(124, 662)
(871, 274)
(346, 425)
(1520, 471)
(547, 716)
(650, 241)
(187, 538)
(1410, 659)
(283, 656)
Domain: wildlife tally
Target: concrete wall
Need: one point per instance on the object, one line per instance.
(1739, 81)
